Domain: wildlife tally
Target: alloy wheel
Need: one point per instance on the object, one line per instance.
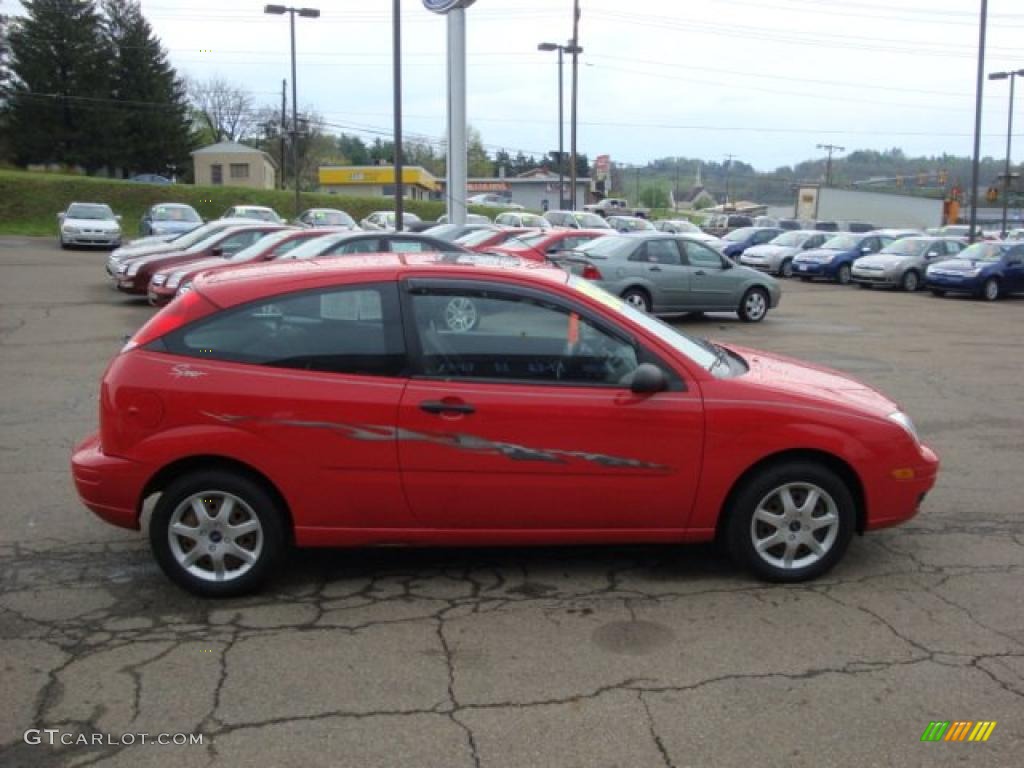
(794, 526)
(215, 536)
(460, 314)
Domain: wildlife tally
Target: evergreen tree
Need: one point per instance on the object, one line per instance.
(56, 102)
(149, 131)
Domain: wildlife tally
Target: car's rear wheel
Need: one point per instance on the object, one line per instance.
(990, 289)
(754, 305)
(217, 533)
(791, 522)
(911, 281)
(638, 299)
(843, 275)
(786, 269)
(461, 315)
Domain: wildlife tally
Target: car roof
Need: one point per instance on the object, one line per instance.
(229, 287)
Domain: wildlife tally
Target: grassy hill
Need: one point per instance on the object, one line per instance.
(29, 202)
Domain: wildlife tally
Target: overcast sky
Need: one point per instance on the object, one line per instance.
(763, 80)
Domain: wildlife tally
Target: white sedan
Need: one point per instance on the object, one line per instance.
(89, 224)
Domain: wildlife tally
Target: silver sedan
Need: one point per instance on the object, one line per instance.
(776, 256)
(902, 264)
(672, 274)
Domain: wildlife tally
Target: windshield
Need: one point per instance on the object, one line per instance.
(331, 218)
(591, 221)
(477, 237)
(90, 211)
(982, 252)
(790, 238)
(260, 214)
(842, 243)
(174, 213)
(907, 247)
(700, 352)
(254, 250)
(312, 248)
(533, 220)
(738, 235)
(196, 235)
(686, 226)
(534, 240)
(610, 245)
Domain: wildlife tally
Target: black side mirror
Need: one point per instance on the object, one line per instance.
(648, 379)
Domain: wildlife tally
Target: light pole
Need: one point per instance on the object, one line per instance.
(1012, 75)
(308, 13)
(976, 156)
(830, 148)
(569, 48)
(575, 50)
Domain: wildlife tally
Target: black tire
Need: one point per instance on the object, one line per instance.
(865, 286)
(990, 290)
(256, 503)
(764, 488)
(805, 279)
(753, 306)
(911, 281)
(937, 292)
(844, 274)
(637, 298)
(786, 268)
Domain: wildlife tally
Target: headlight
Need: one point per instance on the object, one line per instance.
(175, 279)
(159, 279)
(69, 230)
(904, 421)
(133, 268)
(185, 288)
(122, 269)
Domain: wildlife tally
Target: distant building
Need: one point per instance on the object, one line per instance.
(230, 164)
(535, 190)
(377, 181)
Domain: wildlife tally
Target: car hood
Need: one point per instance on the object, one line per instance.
(884, 260)
(961, 265)
(824, 386)
(104, 225)
(134, 251)
(142, 242)
(770, 250)
(199, 264)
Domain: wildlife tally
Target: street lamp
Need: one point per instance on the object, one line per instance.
(569, 48)
(306, 13)
(1012, 75)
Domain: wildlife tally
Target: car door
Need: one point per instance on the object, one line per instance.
(311, 382)
(711, 284)
(526, 422)
(658, 262)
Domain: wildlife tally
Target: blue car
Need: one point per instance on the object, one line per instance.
(834, 259)
(737, 241)
(985, 270)
(169, 219)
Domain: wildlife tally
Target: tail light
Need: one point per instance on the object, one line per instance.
(183, 309)
(590, 272)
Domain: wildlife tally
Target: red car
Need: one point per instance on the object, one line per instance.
(134, 276)
(322, 403)
(481, 240)
(165, 283)
(549, 241)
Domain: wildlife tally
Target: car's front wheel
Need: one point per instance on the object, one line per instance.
(638, 299)
(990, 289)
(844, 274)
(791, 522)
(786, 270)
(754, 305)
(217, 533)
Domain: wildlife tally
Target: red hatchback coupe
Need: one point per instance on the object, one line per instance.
(547, 242)
(323, 403)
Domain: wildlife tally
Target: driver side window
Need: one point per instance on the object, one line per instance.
(516, 338)
(698, 255)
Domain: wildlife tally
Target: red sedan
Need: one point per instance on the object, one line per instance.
(322, 403)
(165, 283)
(134, 276)
(481, 240)
(547, 242)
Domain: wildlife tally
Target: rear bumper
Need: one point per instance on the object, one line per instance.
(894, 500)
(109, 486)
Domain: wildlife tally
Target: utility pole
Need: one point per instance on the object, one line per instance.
(396, 45)
(973, 221)
(284, 126)
(637, 169)
(728, 173)
(1007, 175)
(575, 99)
(675, 188)
(830, 148)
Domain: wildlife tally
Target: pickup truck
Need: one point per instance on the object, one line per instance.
(616, 206)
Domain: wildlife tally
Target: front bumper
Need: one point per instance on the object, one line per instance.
(759, 263)
(158, 296)
(872, 277)
(109, 486)
(133, 285)
(948, 282)
(893, 500)
(108, 239)
(812, 269)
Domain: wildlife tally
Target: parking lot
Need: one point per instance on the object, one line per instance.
(625, 656)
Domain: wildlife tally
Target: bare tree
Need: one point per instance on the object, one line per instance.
(222, 110)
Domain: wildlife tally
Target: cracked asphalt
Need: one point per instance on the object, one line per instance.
(627, 656)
